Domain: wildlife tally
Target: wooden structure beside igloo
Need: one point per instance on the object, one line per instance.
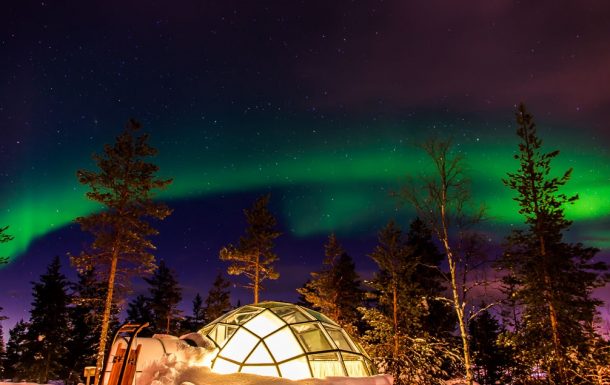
(284, 340)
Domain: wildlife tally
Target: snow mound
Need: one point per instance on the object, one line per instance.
(191, 366)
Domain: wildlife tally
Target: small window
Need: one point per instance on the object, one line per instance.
(340, 339)
(355, 365)
(312, 338)
(325, 365)
(221, 333)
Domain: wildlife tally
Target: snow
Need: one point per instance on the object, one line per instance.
(190, 366)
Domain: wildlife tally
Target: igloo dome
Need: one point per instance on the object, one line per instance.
(284, 340)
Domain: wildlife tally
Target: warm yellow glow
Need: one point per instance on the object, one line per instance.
(326, 364)
(283, 344)
(263, 324)
(295, 369)
(279, 339)
(221, 333)
(224, 367)
(238, 347)
(311, 337)
(340, 339)
(267, 370)
(354, 365)
(260, 355)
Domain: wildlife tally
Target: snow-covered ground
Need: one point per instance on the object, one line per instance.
(189, 366)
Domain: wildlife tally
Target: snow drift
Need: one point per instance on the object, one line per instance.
(190, 366)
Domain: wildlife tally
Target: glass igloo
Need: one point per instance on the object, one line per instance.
(284, 340)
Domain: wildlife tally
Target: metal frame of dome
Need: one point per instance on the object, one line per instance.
(284, 340)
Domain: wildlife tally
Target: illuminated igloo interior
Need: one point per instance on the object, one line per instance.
(284, 340)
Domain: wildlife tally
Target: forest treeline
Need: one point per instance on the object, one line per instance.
(422, 317)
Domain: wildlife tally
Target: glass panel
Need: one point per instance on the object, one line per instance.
(242, 315)
(260, 355)
(355, 365)
(360, 348)
(291, 314)
(224, 367)
(371, 368)
(219, 319)
(239, 346)
(221, 333)
(340, 339)
(264, 323)
(295, 369)
(325, 365)
(271, 304)
(283, 344)
(261, 370)
(205, 330)
(321, 317)
(312, 338)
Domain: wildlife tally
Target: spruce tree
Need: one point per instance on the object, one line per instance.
(2, 346)
(491, 360)
(253, 256)
(438, 319)
(218, 301)
(197, 319)
(86, 311)
(124, 185)
(553, 278)
(139, 311)
(164, 296)
(16, 352)
(49, 326)
(4, 237)
(335, 291)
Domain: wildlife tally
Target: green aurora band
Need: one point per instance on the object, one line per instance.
(328, 183)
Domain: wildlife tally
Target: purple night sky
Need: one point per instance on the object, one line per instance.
(318, 103)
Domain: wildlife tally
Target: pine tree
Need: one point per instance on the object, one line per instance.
(16, 351)
(197, 319)
(164, 296)
(438, 319)
(554, 278)
(49, 326)
(2, 347)
(124, 186)
(254, 256)
(491, 360)
(335, 291)
(396, 335)
(86, 313)
(218, 301)
(139, 311)
(3, 239)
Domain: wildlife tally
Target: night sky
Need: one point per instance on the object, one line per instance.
(319, 103)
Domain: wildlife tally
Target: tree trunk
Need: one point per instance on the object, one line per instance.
(395, 313)
(552, 315)
(257, 278)
(458, 303)
(106, 318)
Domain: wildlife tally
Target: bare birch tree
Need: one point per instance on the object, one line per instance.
(442, 200)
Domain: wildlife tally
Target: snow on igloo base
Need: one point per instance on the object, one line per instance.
(190, 366)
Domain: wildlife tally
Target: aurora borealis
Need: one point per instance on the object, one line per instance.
(319, 103)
